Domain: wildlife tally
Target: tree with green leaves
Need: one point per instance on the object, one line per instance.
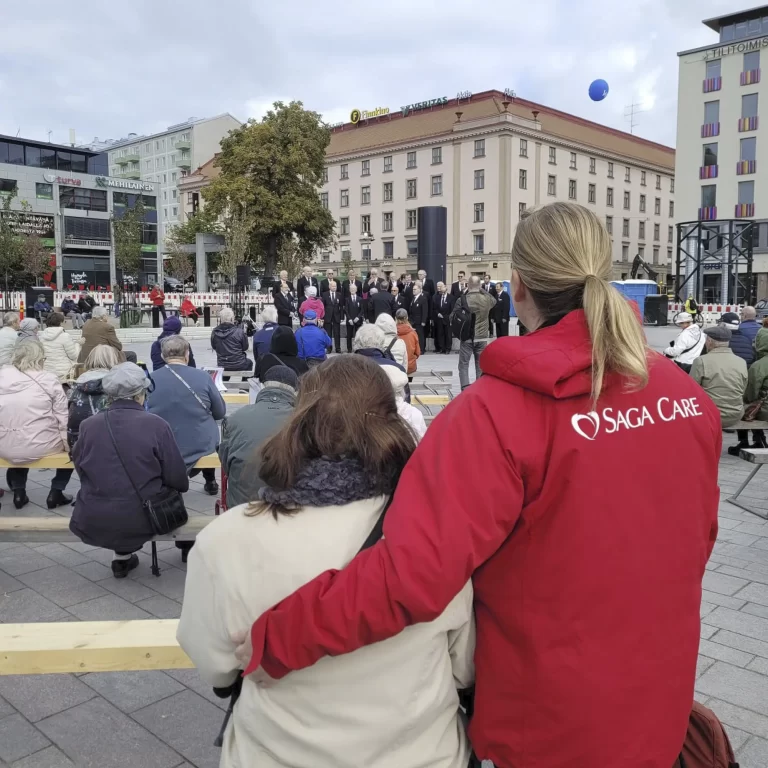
(35, 257)
(203, 222)
(127, 231)
(178, 264)
(238, 243)
(10, 245)
(273, 168)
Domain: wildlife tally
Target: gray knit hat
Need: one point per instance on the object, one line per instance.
(125, 381)
(281, 374)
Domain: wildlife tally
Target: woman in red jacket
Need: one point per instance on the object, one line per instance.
(157, 297)
(538, 482)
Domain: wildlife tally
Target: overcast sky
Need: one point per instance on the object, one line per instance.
(107, 69)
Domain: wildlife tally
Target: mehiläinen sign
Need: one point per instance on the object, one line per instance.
(139, 186)
(424, 105)
(745, 47)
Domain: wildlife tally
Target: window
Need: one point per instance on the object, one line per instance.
(626, 201)
(365, 224)
(709, 196)
(642, 178)
(173, 176)
(523, 179)
(157, 146)
(592, 193)
(44, 191)
(344, 225)
(710, 155)
(165, 178)
(346, 253)
(656, 254)
(713, 69)
(412, 247)
(365, 168)
(553, 156)
(410, 219)
(625, 228)
(175, 211)
(325, 175)
(437, 155)
(410, 160)
(480, 178)
(671, 209)
(386, 222)
(609, 224)
(712, 112)
(592, 165)
(658, 182)
(571, 189)
(627, 173)
(387, 192)
(83, 199)
(669, 255)
(521, 209)
(552, 185)
(173, 193)
(479, 147)
(410, 189)
(748, 148)
(751, 61)
(388, 164)
(671, 185)
(389, 249)
(365, 196)
(641, 230)
(746, 192)
(625, 253)
(641, 251)
(657, 206)
(479, 212)
(523, 148)
(148, 148)
(344, 202)
(609, 197)
(670, 234)
(437, 185)
(749, 105)
(479, 243)
(573, 161)
(323, 199)
(642, 203)
(344, 171)
(610, 170)
(657, 232)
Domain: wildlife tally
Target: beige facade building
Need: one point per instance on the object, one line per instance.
(722, 139)
(486, 158)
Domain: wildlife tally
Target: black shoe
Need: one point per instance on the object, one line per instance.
(121, 568)
(57, 499)
(759, 442)
(734, 450)
(20, 499)
(211, 488)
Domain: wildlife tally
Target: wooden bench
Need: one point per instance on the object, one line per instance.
(237, 375)
(745, 425)
(62, 461)
(90, 646)
(758, 457)
(235, 398)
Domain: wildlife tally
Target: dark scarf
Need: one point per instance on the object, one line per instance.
(326, 482)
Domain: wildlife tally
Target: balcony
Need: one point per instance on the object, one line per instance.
(712, 84)
(746, 166)
(708, 172)
(710, 129)
(750, 77)
(744, 210)
(133, 173)
(708, 214)
(132, 157)
(747, 124)
(77, 242)
(184, 161)
(183, 144)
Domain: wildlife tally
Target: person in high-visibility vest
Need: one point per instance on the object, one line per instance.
(691, 306)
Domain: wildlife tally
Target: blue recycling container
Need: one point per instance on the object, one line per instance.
(636, 290)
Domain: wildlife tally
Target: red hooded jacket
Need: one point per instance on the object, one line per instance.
(587, 570)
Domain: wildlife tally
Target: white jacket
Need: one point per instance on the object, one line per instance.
(8, 339)
(399, 350)
(408, 412)
(390, 704)
(61, 352)
(688, 345)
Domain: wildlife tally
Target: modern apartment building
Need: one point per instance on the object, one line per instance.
(487, 157)
(722, 142)
(71, 200)
(164, 158)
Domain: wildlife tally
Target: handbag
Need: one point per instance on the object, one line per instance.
(165, 512)
(752, 410)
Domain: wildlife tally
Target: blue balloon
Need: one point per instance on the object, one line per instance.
(598, 90)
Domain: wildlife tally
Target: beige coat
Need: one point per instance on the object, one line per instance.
(389, 705)
(97, 332)
(61, 352)
(723, 376)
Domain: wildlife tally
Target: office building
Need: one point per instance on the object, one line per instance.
(722, 138)
(487, 157)
(71, 200)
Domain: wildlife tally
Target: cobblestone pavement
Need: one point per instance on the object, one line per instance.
(170, 719)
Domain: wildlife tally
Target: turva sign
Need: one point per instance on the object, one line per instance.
(745, 47)
(139, 186)
(424, 105)
(357, 114)
(52, 178)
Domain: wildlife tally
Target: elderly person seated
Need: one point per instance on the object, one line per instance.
(689, 343)
(230, 343)
(61, 350)
(42, 308)
(171, 327)
(722, 375)
(371, 342)
(757, 389)
(313, 343)
(283, 350)
(98, 331)
(312, 302)
(189, 401)
(123, 450)
(86, 304)
(33, 421)
(28, 329)
(409, 413)
(69, 309)
(263, 337)
(9, 335)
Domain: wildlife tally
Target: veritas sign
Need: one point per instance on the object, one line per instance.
(25, 223)
(424, 105)
(139, 186)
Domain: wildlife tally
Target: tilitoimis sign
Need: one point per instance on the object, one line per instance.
(745, 47)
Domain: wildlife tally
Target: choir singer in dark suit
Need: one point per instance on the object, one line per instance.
(500, 312)
(351, 280)
(442, 304)
(418, 314)
(400, 302)
(334, 313)
(354, 314)
(460, 286)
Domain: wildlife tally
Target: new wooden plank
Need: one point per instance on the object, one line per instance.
(62, 461)
(90, 646)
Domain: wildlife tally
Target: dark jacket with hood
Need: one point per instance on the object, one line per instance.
(231, 345)
(171, 327)
(107, 511)
(757, 380)
(741, 346)
(283, 350)
(262, 339)
(86, 398)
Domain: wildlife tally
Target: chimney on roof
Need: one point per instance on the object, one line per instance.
(458, 116)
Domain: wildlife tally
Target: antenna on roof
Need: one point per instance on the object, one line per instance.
(49, 135)
(629, 115)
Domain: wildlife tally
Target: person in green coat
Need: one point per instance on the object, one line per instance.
(757, 388)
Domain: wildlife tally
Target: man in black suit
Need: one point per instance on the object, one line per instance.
(428, 289)
(326, 281)
(488, 287)
(500, 312)
(283, 279)
(372, 281)
(285, 305)
(351, 280)
(460, 286)
(307, 278)
(334, 313)
(418, 313)
(399, 299)
(354, 314)
(381, 302)
(406, 290)
(442, 304)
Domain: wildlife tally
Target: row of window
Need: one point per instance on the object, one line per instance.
(747, 151)
(749, 103)
(159, 146)
(42, 157)
(436, 185)
(746, 194)
(641, 231)
(751, 63)
(741, 30)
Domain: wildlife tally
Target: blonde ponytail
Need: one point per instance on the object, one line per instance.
(562, 253)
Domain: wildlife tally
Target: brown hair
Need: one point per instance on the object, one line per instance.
(55, 320)
(765, 322)
(346, 407)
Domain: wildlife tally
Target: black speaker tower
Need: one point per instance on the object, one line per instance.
(432, 222)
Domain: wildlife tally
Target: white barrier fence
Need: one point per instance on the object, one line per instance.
(710, 312)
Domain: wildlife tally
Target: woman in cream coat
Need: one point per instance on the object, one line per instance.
(61, 350)
(391, 704)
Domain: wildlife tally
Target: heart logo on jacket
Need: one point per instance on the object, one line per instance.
(593, 420)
